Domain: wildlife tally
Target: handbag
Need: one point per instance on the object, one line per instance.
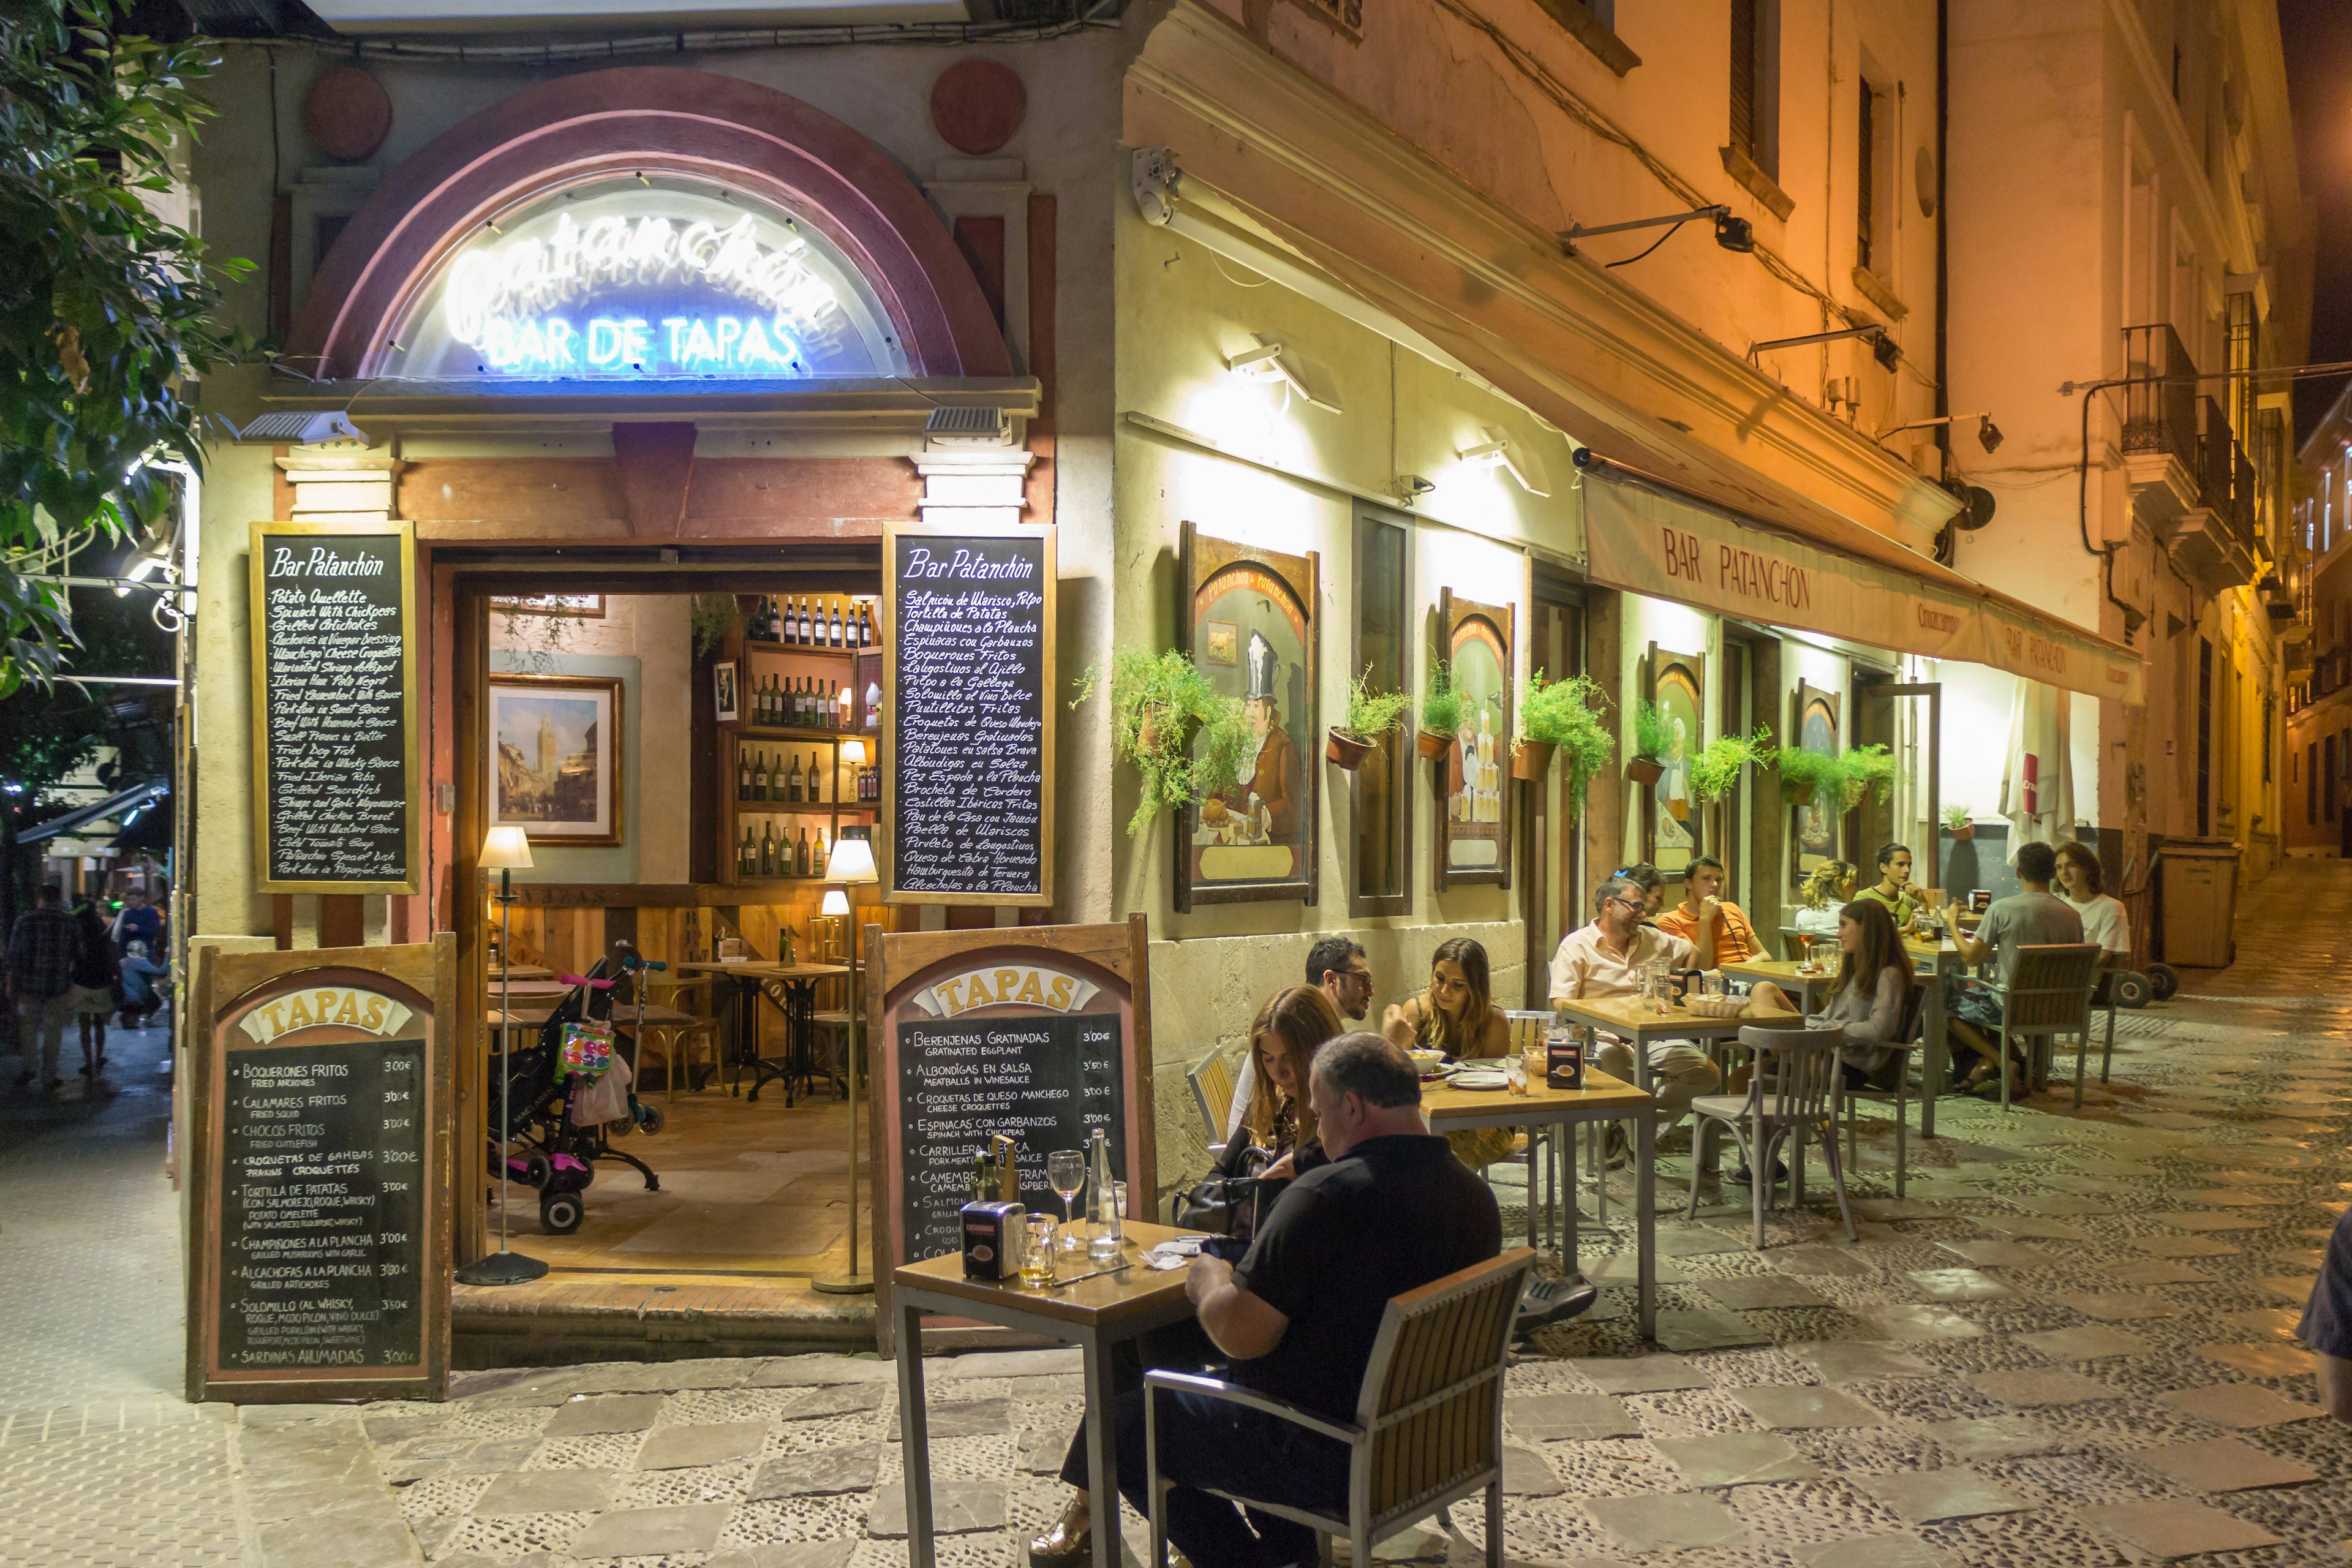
(1230, 1201)
(587, 1048)
(594, 1101)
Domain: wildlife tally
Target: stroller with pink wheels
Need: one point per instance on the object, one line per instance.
(552, 1150)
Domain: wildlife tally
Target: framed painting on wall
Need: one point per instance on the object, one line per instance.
(1474, 816)
(1672, 824)
(1249, 623)
(1813, 829)
(555, 764)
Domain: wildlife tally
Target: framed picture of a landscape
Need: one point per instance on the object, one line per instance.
(554, 761)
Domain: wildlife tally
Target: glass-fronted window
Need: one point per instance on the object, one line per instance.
(1382, 657)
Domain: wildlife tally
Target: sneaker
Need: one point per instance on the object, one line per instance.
(1616, 1149)
(1553, 1302)
(1741, 1174)
(1070, 1543)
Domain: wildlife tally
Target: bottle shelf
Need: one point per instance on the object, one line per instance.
(770, 732)
(849, 810)
(807, 649)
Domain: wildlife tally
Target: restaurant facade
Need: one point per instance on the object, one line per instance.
(1278, 338)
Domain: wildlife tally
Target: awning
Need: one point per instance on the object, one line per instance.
(1648, 537)
(131, 799)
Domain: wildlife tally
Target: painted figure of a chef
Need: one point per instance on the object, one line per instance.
(1268, 790)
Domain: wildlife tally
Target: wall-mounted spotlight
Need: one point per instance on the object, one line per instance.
(1270, 359)
(1882, 348)
(1495, 452)
(1988, 434)
(1733, 234)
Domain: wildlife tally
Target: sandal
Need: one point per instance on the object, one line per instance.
(1069, 1542)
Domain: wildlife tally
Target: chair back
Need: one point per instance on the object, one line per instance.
(1433, 1397)
(1800, 1067)
(1907, 1030)
(1792, 943)
(1527, 1029)
(2048, 989)
(1212, 1078)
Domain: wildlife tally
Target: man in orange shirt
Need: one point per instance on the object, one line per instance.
(1717, 927)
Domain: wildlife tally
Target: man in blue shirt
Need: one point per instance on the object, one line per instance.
(2326, 1325)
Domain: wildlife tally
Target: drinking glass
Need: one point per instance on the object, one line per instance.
(1515, 1075)
(1037, 1253)
(1066, 1172)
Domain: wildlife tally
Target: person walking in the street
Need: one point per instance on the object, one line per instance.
(43, 951)
(139, 921)
(144, 981)
(97, 988)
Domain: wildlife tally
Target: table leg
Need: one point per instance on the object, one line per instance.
(1533, 1187)
(1102, 1455)
(1645, 1217)
(1939, 1055)
(1568, 1246)
(914, 1439)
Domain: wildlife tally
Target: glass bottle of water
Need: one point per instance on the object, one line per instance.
(1103, 1246)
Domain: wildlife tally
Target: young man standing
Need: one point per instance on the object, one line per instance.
(2034, 917)
(42, 952)
(1605, 959)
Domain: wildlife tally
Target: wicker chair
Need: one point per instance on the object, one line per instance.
(1429, 1423)
(2047, 993)
(1212, 1078)
(1788, 1095)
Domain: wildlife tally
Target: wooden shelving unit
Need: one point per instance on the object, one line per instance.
(817, 751)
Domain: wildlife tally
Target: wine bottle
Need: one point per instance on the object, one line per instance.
(837, 623)
(768, 847)
(759, 778)
(742, 775)
(793, 783)
(804, 621)
(815, 795)
(768, 617)
(802, 860)
(817, 868)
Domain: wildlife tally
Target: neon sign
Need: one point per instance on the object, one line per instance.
(675, 279)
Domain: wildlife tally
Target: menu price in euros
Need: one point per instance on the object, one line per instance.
(322, 1207)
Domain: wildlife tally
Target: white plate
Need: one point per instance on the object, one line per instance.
(1478, 1080)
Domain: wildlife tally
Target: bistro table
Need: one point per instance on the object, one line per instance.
(1805, 990)
(1603, 1099)
(1095, 1314)
(521, 971)
(1640, 1025)
(746, 982)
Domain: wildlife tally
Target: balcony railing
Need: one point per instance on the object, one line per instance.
(2225, 478)
(2160, 397)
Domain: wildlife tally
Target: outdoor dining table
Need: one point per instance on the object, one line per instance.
(1640, 1025)
(1805, 990)
(1935, 960)
(1095, 1315)
(1603, 1099)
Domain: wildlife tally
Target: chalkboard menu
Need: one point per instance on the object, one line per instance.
(969, 720)
(321, 1172)
(334, 678)
(1047, 1082)
(322, 1207)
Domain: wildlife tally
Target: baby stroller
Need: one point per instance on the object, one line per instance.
(549, 1150)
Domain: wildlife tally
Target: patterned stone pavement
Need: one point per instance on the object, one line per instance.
(2071, 1343)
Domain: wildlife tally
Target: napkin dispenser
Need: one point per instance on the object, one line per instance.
(992, 1238)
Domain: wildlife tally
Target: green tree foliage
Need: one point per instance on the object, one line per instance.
(105, 308)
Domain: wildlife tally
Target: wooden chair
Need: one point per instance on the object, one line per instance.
(1905, 1041)
(677, 1046)
(1429, 1421)
(2048, 994)
(1212, 1078)
(1788, 1095)
(1544, 1143)
(2103, 995)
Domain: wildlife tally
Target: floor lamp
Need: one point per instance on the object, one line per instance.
(851, 864)
(506, 850)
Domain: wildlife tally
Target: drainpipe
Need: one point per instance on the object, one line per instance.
(1948, 542)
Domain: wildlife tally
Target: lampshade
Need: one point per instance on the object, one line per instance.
(852, 861)
(837, 902)
(854, 753)
(505, 849)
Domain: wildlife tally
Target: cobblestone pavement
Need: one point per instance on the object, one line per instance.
(2071, 1343)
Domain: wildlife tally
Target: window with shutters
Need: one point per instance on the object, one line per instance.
(1866, 224)
(1755, 83)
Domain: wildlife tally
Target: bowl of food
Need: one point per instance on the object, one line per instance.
(1718, 1007)
(1425, 1062)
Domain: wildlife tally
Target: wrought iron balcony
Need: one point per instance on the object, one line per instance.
(2213, 541)
(2161, 434)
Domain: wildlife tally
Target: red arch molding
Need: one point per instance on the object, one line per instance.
(719, 128)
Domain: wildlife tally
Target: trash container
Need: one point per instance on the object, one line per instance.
(2197, 901)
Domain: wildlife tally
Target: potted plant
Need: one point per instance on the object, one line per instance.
(1441, 711)
(1715, 772)
(1646, 746)
(1187, 739)
(1804, 774)
(1958, 824)
(1866, 770)
(1560, 717)
(1372, 713)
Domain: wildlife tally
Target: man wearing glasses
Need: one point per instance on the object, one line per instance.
(1336, 967)
(1606, 959)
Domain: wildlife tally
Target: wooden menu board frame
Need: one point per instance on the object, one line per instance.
(902, 964)
(887, 852)
(1459, 623)
(257, 613)
(230, 986)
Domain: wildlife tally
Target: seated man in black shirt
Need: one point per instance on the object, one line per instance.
(1299, 1314)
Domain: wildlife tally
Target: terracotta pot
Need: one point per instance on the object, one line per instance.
(1962, 835)
(1643, 771)
(1435, 743)
(1347, 751)
(1532, 761)
(1147, 739)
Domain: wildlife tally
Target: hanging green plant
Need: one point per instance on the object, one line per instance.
(1652, 733)
(1715, 772)
(1562, 717)
(712, 616)
(1805, 775)
(1373, 712)
(1441, 711)
(1187, 739)
(1864, 772)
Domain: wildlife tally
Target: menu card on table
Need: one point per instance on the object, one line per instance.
(335, 708)
(968, 715)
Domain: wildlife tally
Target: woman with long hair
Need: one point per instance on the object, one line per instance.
(97, 987)
(1283, 1038)
(1456, 1015)
(2084, 884)
(1820, 894)
(1872, 992)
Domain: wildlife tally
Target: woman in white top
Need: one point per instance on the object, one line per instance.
(2104, 919)
(1822, 894)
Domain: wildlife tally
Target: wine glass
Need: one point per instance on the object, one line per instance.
(1066, 1172)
